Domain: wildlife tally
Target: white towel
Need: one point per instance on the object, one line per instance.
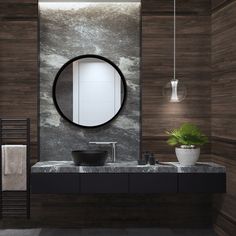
(13, 158)
(14, 167)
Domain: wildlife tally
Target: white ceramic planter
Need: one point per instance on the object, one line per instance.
(187, 156)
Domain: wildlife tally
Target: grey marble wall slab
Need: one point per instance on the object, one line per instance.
(64, 90)
(68, 30)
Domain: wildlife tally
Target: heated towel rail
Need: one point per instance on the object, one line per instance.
(15, 203)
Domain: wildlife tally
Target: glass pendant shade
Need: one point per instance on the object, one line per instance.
(174, 91)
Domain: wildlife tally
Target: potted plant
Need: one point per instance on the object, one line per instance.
(187, 141)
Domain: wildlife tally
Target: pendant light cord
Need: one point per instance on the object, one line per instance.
(174, 39)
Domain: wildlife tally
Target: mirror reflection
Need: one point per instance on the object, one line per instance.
(89, 91)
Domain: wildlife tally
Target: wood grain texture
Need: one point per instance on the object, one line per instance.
(20, 10)
(217, 5)
(224, 112)
(19, 63)
(115, 211)
(193, 48)
(193, 51)
(188, 7)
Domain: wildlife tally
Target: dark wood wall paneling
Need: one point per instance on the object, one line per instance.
(224, 110)
(193, 68)
(193, 48)
(18, 62)
(116, 211)
(19, 96)
(219, 4)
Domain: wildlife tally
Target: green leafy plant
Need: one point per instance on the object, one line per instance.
(187, 135)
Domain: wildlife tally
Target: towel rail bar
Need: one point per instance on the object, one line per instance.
(12, 129)
(11, 119)
(14, 138)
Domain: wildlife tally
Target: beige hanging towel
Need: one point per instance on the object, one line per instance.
(14, 167)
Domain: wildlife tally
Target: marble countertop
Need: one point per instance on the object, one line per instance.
(126, 167)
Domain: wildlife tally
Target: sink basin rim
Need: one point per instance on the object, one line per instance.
(90, 151)
(89, 157)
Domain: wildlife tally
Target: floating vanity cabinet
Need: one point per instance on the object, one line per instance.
(132, 183)
(202, 183)
(153, 183)
(55, 183)
(169, 177)
(104, 183)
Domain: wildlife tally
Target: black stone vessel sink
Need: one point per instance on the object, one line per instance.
(89, 157)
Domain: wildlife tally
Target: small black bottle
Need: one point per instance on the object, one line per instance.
(152, 160)
(146, 156)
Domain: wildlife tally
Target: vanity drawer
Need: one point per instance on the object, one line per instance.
(104, 183)
(202, 182)
(153, 183)
(54, 183)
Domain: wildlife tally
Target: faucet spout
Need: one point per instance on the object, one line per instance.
(113, 148)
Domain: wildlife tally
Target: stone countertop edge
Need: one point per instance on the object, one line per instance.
(126, 167)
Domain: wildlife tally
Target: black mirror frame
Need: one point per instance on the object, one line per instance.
(81, 57)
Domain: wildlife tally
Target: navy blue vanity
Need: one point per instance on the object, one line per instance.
(129, 178)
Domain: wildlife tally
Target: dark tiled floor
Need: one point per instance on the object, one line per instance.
(107, 232)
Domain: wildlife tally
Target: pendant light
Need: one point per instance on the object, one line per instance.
(174, 91)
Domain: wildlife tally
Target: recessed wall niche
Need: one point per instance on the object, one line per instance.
(108, 29)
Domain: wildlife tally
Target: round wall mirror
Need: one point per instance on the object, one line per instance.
(89, 91)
